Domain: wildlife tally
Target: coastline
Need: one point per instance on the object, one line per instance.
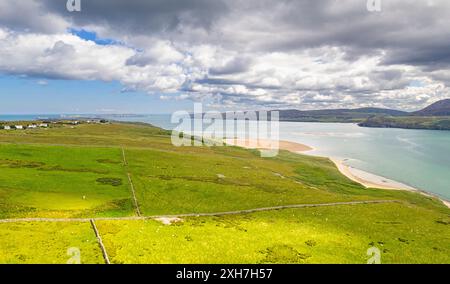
(369, 180)
(366, 179)
(267, 144)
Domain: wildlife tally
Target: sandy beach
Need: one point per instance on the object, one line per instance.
(268, 144)
(369, 180)
(366, 179)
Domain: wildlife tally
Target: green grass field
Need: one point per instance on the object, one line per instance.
(48, 243)
(65, 172)
(313, 235)
(55, 181)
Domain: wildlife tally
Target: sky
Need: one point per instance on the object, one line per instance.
(160, 56)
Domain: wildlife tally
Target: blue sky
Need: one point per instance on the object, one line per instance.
(92, 36)
(39, 96)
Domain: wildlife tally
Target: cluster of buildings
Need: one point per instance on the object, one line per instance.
(45, 124)
(21, 127)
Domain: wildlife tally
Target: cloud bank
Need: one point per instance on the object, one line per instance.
(239, 54)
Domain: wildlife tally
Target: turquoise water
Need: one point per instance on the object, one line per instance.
(419, 158)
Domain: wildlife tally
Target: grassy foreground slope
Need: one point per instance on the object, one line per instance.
(342, 234)
(48, 243)
(79, 172)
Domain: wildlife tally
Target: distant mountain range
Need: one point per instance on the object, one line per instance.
(336, 115)
(435, 116)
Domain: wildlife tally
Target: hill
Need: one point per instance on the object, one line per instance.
(336, 115)
(365, 116)
(440, 108)
(434, 117)
(370, 116)
(408, 122)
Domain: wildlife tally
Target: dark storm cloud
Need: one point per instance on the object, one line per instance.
(23, 15)
(411, 32)
(142, 16)
(237, 65)
(140, 60)
(216, 81)
(432, 58)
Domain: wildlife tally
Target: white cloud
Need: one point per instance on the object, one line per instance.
(27, 15)
(240, 53)
(61, 55)
(42, 82)
(67, 56)
(3, 34)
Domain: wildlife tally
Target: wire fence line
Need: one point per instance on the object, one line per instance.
(237, 212)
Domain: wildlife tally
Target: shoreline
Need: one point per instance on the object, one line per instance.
(267, 144)
(369, 180)
(366, 179)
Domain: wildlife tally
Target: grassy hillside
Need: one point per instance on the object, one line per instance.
(80, 171)
(314, 235)
(28, 243)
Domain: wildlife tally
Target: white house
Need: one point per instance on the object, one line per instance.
(19, 127)
(43, 125)
(7, 127)
(31, 126)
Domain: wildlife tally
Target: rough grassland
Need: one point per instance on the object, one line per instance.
(79, 172)
(403, 234)
(54, 181)
(234, 179)
(47, 243)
